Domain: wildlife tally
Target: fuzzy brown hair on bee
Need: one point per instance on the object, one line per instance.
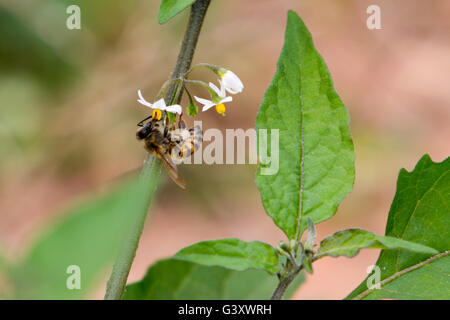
(166, 143)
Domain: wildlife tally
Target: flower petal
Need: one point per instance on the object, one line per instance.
(207, 106)
(145, 103)
(216, 90)
(232, 91)
(174, 108)
(226, 99)
(222, 89)
(232, 83)
(142, 101)
(160, 104)
(140, 95)
(203, 101)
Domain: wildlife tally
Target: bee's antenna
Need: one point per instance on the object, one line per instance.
(141, 124)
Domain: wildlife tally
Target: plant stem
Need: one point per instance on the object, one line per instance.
(284, 284)
(152, 166)
(187, 50)
(118, 279)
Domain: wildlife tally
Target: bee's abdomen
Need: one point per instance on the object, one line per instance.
(187, 147)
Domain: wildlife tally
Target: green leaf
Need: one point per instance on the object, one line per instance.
(420, 213)
(307, 263)
(316, 158)
(232, 254)
(90, 237)
(348, 243)
(170, 8)
(177, 279)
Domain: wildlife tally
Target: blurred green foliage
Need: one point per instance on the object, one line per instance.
(176, 279)
(89, 236)
(42, 66)
(22, 50)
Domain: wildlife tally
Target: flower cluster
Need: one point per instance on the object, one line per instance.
(229, 83)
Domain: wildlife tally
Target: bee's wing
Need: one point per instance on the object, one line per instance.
(172, 171)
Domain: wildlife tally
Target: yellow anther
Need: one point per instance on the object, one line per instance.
(157, 114)
(220, 108)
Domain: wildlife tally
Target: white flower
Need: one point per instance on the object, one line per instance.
(158, 106)
(218, 100)
(230, 81)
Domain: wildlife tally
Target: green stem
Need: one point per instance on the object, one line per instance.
(118, 279)
(152, 166)
(284, 284)
(211, 67)
(204, 85)
(186, 54)
(164, 87)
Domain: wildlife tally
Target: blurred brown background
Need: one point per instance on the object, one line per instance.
(68, 113)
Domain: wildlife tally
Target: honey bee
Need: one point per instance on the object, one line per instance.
(168, 142)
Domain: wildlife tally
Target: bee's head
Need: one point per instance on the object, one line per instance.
(145, 131)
